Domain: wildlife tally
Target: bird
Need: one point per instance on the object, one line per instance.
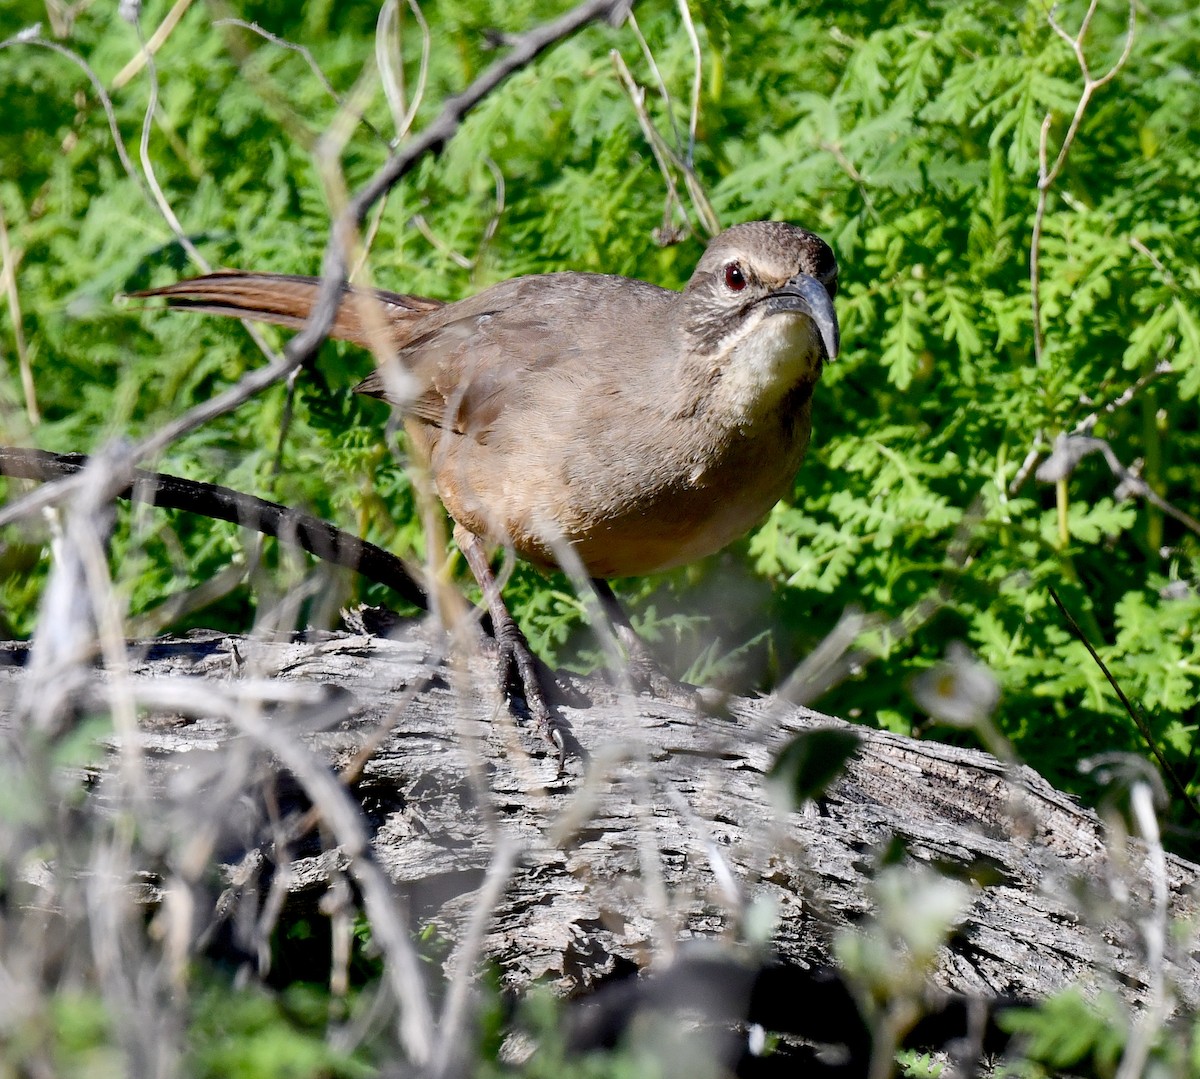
(586, 419)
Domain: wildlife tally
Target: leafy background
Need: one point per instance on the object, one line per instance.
(905, 133)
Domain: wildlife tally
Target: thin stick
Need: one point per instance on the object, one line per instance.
(304, 52)
(160, 199)
(1139, 720)
(652, 64)
(455, 1011)
(344, 820)
(289, 526)
(698, 70)
(156, 42)
(33, 38)
(1147, 1023)
(390, 61)
(637, 98)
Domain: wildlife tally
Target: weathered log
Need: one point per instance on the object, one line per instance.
(665, 832)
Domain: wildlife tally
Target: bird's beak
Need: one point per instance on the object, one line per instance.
(808, 296)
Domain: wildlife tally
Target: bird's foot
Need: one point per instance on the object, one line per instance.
(520, 673)
(523, 675)
(654, 681)
(646, 676)
(641, 668)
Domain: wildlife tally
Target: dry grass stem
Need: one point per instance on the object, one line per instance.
(157, 40)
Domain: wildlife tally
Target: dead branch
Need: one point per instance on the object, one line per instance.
(666, 832)
(289, 526)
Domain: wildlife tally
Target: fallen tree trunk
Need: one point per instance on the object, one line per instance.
(665, 832)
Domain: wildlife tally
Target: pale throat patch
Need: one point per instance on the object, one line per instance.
(769, 359)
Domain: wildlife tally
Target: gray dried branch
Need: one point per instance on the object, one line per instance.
(671, 833)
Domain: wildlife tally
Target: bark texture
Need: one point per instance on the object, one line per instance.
(666, 831)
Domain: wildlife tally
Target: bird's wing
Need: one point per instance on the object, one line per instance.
(472, 359)
(460, 364)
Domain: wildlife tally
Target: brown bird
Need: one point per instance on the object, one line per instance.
(588, 418)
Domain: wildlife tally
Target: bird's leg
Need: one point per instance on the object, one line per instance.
(518, 667)
(644, 671)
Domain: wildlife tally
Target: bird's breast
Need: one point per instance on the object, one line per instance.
(657, 501)
(630, 488)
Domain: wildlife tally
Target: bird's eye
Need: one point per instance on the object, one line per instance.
(735, 280)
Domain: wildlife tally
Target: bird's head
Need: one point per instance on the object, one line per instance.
(761, 302)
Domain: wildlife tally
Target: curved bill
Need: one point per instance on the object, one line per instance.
(808, 296)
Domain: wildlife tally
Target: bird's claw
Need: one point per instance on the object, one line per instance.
(520, 676)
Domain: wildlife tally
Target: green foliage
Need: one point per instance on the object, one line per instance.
(1068, 1032)
(79, 1034)
(254, 1034)
(908, 134)
(914, 1065)
(247, 1033)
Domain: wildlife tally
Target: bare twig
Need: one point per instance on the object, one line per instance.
(289, 526)
(660, 82)
(148, 184)
(1148, 1022)
(390, 61)
(1027, 466)
(1140, 247)
(489, 230)
(156, 191)
(525, 48)
(421, 224)
(156, 42)
(834, 149)
(1085, 425)
(685, 15)
(178, 605)
(160, 199)
(1134, 713)
(447, 1050)
(679, 157)
(637, 98)
(344, 819)
(1069, 450)
(827, 664)
(309, 59)
(33, 37)
(1048, 174)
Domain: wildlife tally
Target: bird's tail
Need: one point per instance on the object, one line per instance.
(288, 299)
